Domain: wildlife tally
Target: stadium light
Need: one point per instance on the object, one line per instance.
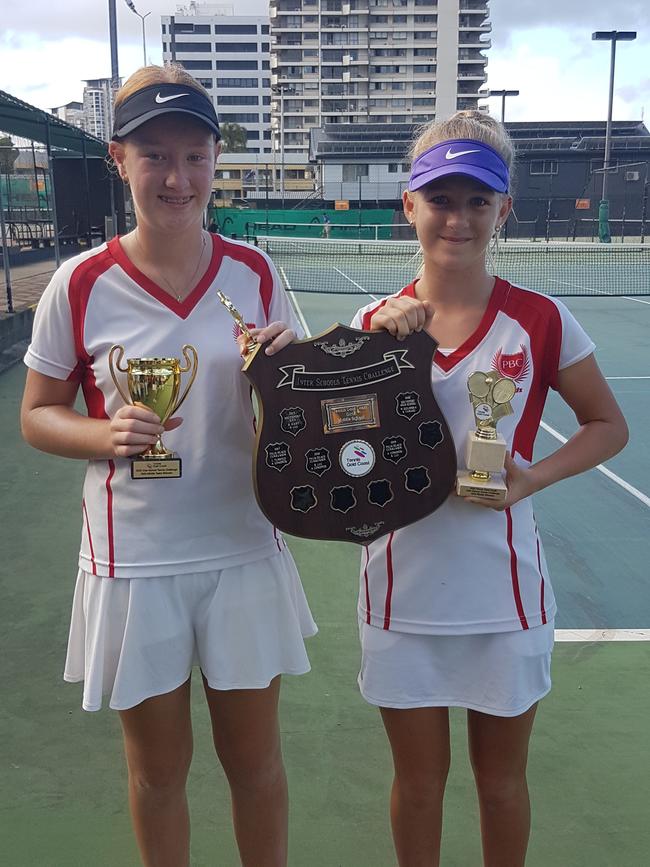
(131, 6)
(612, 36)
(503, 94)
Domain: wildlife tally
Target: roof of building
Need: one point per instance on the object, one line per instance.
(391, 141)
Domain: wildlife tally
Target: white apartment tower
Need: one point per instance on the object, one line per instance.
(230, 56)
(373, 61)
(98, 107)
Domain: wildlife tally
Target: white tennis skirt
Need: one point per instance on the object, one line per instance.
(135, 638)
(501, 673)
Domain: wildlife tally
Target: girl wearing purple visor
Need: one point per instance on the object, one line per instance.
(178, 571)
(457, 610)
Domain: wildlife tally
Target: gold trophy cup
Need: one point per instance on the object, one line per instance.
(485, 452)
(155, 384)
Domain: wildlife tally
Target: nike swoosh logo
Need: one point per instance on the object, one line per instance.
(161, 99)
(452, 156)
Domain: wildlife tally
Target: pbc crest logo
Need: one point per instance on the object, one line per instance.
(236, 330)
(515, 365)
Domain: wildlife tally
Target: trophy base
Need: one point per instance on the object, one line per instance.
(489, 455)
(493, 489)
(168, 467)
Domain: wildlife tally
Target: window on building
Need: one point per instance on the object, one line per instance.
(354, 171)
(196, 64)
(543, 167)
(236, 64)
(392, 168)
(238, 100)
(236, 47)
(193, 47)
(239, 117)
(181, 27)
(237, 82)
(239, 29)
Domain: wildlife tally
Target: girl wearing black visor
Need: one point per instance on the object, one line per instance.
(173, 571)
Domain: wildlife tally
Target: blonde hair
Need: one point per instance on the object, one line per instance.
(170, 73)
(472, 125)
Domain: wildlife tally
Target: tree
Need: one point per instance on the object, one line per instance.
(233, 138)
(8, 155)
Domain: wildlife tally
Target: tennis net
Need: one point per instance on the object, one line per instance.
(382, 267)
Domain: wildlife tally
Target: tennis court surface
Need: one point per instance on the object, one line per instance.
(62, 791)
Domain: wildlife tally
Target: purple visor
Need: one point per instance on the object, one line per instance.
(460, 157)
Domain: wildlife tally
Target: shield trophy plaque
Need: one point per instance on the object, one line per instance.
(351, 443)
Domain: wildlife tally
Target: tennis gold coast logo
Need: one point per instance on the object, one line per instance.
(514, 365)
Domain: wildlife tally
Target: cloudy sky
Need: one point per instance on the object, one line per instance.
(542, 48)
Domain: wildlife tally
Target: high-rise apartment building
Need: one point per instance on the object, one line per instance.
(373, 61)
(72, 113)
(230, 56)
(98, 107)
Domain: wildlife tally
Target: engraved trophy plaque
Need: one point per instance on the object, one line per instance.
(154, 383)
(351, 443)
(485, 451)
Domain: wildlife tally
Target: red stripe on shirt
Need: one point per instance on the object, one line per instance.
(365, 579)
(389, 573)
(254, 260)
(90, 538)
(541, 577)
(541, 320)
(109, 520)
(514, 575)
(81, 284)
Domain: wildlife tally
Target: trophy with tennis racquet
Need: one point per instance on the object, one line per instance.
(485, 451)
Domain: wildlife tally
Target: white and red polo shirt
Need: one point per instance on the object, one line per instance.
(465, 568)
(208, 519)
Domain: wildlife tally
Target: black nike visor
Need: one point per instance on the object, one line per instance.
(159, 99)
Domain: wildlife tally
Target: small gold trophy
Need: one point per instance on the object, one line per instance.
(485, 452)
(251, 343)
(155, 383)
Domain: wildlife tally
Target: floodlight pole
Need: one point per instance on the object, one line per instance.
(503, 94)
(144, 35)
(613, 36)
(112, 29)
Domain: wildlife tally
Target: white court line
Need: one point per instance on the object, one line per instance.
(610, 475)
(600, 292)
(627, 377)
(294, 301)
(590, 635)
(354, 283)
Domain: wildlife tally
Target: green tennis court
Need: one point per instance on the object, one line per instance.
(62, 789)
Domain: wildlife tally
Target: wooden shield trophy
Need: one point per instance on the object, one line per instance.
(351, 443)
